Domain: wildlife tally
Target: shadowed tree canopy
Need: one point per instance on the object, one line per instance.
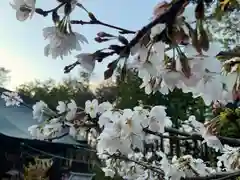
(107, 91)
(51, 92)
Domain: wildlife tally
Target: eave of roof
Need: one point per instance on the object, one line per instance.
(15, 121)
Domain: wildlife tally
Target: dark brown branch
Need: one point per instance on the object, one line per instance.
(165, 136)
(224, 140)
(194, 136)
(97, 22)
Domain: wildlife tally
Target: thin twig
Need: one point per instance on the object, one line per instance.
(45, 13)
(97, 22)
(195, 136)
(165, 136)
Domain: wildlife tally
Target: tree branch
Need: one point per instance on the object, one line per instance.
(193, 136)
(45, 13)
(97, 22)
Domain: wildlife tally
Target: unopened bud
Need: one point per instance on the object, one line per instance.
(92, 17)
(103, 34)
(100, 40)
(123, 40)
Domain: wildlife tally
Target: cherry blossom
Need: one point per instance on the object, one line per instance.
(62, 107)
(61, 44)
(72, 109)
(11, 98)
(91, 108)
(171, 51)
(38, 110)
(24, 8)
(87, 61)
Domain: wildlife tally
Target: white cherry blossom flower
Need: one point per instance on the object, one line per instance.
(230, 157)
(86, 61)
(61, 44)
(211, 140)
(35, 132)
(24, 8)
(146, 84)
(72, 131)
(11, 98)
(72, 110)
(158, 119)
(108, 172)
(62, 107)
(110, 141)
(38, 110)
(54, 120)
(108, 118)
(91, 108)
(51, 130)
(105, 106)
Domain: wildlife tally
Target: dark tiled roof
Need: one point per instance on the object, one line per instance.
(15, 120)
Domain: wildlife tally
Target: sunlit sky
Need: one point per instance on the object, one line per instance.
(22, 43)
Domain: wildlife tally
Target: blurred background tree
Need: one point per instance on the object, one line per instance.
(223, 22)
(4, 76)
(51, 92)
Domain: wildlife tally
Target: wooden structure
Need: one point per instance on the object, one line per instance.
(21, 155)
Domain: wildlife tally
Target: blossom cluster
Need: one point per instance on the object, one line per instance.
(169, 52)
(187, 60)
(120, 136)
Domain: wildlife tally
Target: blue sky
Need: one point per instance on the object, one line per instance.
(22, 43)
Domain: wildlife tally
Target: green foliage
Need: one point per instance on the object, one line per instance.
(230, 123)
(51, 92)
(107, 92)
(223, 23)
